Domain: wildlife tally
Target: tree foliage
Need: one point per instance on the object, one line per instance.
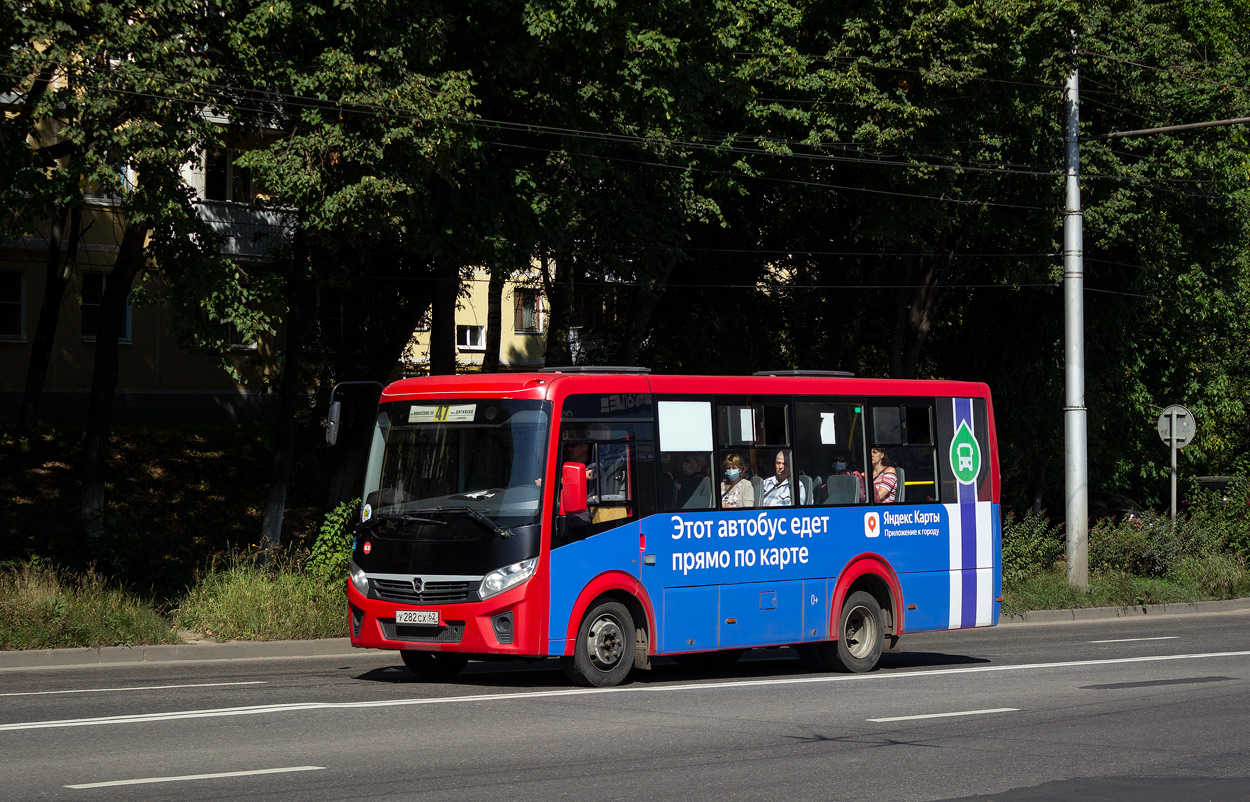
(872, 187)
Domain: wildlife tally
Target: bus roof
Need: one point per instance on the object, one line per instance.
(553, 383)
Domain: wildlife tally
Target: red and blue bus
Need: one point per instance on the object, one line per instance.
(610, 516)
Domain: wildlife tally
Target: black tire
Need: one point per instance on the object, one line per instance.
(707, 661)
(434, 665)
(860, 633)
(604, 652)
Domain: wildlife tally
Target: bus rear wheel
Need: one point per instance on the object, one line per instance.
(604, 651)
(860, 633)
(434, 665)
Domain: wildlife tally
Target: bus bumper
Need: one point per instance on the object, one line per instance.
(504, 625)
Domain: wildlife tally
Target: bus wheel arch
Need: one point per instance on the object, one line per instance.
(873, 575)
(605, 645)
(865, 612)
(625, 590)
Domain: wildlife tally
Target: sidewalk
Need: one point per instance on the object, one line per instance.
(259, 650)
(1102, 613)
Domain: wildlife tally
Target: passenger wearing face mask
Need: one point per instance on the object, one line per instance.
(842, 467)
(736, 490)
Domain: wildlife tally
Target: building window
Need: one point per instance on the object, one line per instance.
(471, 338)
(230, 333)
(12, 305)
(119, 177)
(93, 286)
(236, 340)
(527, 318)
(224, 180)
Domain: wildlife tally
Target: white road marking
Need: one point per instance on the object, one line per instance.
(137, 688)
(1133, 640)
(177, 715)
(948, 715)
(185, 778)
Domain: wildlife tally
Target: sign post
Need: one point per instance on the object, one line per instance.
(1176, 428)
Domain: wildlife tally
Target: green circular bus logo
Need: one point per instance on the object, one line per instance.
(965, 455)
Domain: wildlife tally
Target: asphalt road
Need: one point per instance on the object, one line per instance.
(1134, 709)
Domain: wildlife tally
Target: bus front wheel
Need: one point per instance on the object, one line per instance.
(860, 633)
(434, 665)
(604, 652)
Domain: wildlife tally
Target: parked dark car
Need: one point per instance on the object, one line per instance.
(1106, 504)
(1214, 484)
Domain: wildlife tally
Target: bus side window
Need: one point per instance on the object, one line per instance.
(687, 473)
(830, 449)
(610, 456)
(906, 432)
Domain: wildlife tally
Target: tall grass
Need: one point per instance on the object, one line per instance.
(42, 607)
(243, 600)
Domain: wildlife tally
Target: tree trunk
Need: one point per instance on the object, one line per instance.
(1039, 487)
(645, 302)
(356, 426)
(58, 272)
(443, 318)
(558, 287)
(914, 314)
(298, 296)
(494, 321)
(129, 263)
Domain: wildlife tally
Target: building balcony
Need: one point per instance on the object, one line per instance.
(245, 231)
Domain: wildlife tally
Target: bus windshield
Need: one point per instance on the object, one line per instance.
(435, 462)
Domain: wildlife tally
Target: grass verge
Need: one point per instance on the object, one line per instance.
(1205, 578)
(246, 601)
(42, 608)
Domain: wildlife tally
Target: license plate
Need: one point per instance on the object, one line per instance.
(420, 618)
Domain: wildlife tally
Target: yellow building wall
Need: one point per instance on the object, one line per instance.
(151, 362)
(518, 350)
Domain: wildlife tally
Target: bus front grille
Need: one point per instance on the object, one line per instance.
(452, 633)
(397, 590)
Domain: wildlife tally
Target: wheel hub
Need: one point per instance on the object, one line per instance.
(605, 643)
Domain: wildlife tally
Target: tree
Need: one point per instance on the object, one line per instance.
(365, 132)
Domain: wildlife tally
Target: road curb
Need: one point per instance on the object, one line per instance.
(1104, 613)
(338, 647)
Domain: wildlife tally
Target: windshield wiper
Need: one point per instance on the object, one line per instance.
(408, 518)
(502, 531)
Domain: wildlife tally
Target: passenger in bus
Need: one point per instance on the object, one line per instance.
(736, 490)
(842, 467)
(692, 472)
(777, 489)
(884, 478)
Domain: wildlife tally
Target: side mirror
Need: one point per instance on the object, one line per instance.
(332, 422)
(572, 488)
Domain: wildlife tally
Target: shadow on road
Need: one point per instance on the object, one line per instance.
(755, 664)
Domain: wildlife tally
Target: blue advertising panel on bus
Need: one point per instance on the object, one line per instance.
(758, 577)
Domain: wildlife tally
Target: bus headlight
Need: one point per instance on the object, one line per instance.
(358, 578)
(502, 579)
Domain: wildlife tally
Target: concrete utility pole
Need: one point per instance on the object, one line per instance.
(1076, 474)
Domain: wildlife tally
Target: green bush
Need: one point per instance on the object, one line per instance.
(42, 607)
(1147, 547)
(1219, 523)
(275, 601)
(1030, 545)
(333, 549)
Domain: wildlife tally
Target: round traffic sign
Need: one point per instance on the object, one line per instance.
(1176, 426)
